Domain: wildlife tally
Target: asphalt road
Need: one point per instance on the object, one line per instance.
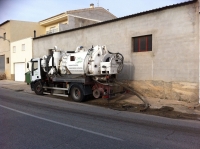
(28, 121)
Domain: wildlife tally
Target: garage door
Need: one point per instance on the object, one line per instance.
(20, 72)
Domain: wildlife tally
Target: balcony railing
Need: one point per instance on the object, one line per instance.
(52, 31)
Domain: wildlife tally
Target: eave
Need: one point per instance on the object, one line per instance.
(55, 19)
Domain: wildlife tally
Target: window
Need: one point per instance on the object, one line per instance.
(72, 58)
(34, 68)
(14, 49)
(142, 43)
(4, 36)
(52, 30)
(50, 52)
(81, 24)
(7, 60)
(23, 47)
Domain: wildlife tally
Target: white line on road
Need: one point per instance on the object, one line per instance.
(63, 124)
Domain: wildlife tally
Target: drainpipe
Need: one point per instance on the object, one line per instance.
(34, 33)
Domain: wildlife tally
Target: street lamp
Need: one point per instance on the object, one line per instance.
(4, 38)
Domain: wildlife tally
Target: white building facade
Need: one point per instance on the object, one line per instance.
(21, 54)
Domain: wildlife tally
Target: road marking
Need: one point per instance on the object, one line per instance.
(63, 124)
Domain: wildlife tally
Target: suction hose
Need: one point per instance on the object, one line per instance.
(134, 92)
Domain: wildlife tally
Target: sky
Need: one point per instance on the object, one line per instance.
(37, 10)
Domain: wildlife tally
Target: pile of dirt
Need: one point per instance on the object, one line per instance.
(123, 104)
(164, 111)
(2, 76)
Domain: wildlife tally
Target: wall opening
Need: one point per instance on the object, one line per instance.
(7, 60)
(2, 63)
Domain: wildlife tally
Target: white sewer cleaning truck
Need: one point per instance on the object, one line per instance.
(77, 73)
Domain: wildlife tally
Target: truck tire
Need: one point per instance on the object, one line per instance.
(38, 88)
(76, 93)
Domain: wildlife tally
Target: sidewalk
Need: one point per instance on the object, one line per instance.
(156, 103)
(15, 85)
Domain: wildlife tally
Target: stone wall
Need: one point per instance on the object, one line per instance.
(2, 76)
(181, 91)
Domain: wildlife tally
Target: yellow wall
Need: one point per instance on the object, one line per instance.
(16, 30)
(21, 29)
(56, 25)
(53, 25)
(5, 46)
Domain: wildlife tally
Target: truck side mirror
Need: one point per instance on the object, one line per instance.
(27, 65)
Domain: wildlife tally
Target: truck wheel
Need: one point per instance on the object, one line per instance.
(76, 93)
(38, 88)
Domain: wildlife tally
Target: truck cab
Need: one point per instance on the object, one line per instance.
(35, 73)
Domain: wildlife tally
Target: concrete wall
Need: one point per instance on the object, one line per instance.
(75, 22)
(79, 22)
(174, 58)
(56, 25)
(97, 13)
(70, 24)
(20, 56)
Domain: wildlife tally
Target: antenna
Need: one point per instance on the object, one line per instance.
(98, 3)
